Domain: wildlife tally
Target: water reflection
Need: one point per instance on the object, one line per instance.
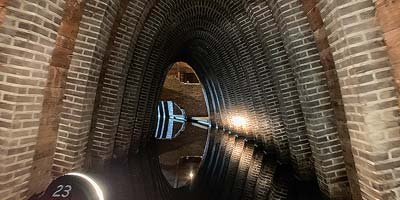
(204, 164)
(168, 129)
(171, 120)
(180, 157)
(235, 167)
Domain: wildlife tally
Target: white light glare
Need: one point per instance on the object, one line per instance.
(191, 175)
(239, 121)
(91, 181)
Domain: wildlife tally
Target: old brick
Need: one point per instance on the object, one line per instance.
(263, 63)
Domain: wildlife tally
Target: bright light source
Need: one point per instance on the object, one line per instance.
(91, 181)
(191, 175)
(239, 121)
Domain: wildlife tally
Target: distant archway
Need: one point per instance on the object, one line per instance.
(182, 86)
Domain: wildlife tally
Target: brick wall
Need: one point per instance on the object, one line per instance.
(111, 81)
(316, 80)
(314, 97)
(53, 96)
(325, 52)
(289, 102)
(28, 32)
(228, 96)
(387, 12)
(3, 4)
(125, 135)
(119, 68)
(229, 57)
(80, 90)
(368, 92)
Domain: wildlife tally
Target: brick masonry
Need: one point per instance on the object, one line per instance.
(368, 92)
(314, 97)
(317, 81)
(387, 12)
(28, 33)
(289, 102)
(54, 95)
(325, 52)
(2, 10)
(82, 82)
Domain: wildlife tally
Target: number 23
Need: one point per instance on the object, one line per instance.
(64, 189)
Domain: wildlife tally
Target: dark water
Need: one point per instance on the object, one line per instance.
(232, 168)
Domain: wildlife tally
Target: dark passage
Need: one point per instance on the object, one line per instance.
(232, 168)
(303, 97)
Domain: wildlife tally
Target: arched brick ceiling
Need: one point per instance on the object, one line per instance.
(312, 76)
(186, 29)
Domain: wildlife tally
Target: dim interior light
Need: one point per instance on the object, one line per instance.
(239, 121)
(92, 182)
(191, 175)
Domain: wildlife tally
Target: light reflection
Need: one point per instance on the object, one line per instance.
(92, 182)
(169, 125)
(239, 121)
(191, 175)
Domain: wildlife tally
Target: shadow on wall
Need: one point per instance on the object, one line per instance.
(182, 86)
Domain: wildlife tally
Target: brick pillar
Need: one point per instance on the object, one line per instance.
(314, 97)
(137, 12)
(54, 95)
(28, 34)
(2, 11)
(81, 83)
(112, 80)
(369, 93)
(325, 53)
(388, 13)
(288, 96)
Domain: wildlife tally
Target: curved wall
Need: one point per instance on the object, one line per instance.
(315, 79)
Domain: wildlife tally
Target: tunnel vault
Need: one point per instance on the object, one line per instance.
(80, 82)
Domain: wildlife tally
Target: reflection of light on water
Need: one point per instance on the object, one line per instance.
(239, 121)
(92, 182)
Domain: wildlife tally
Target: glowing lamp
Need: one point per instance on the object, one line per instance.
(239, 121)
(191, 175)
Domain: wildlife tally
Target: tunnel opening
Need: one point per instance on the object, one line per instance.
(301, 97)
(182, 86)
(182, 123)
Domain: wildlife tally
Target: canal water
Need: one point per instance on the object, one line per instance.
(192, 161)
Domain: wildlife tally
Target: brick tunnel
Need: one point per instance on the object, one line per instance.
(317, 81)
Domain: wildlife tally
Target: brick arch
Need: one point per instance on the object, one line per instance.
(248, 101)
(203, 39)
(319, 90)
(30, 88)
(295, 60)
(310, 76)
(242, 61)
(356, 56)
(217, 105)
